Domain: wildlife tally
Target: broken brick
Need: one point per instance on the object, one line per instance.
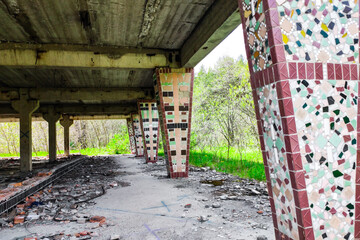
(19, 219)
(99, 219)
(16, 184)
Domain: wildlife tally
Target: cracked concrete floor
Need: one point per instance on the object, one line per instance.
(155, 207)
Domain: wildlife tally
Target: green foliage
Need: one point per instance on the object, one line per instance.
(119, 144)
(223, 112)
(248, 165)
(224, 131)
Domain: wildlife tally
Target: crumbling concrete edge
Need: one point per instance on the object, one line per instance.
(57, 172)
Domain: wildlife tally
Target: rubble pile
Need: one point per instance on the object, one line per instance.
(64, 200)
(10, 174)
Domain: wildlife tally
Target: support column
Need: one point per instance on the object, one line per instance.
(138, 135)
(149, 122)
(174, 89)
(303, 61)
(131, 135)
(66, 122)
(52, 117)
(25, 108)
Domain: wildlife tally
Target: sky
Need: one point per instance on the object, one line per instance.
(233, 46)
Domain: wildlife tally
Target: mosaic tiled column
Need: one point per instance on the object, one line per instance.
(130, 128)
(303, 59)
(149, 120)
(174, 89)
(138, 135)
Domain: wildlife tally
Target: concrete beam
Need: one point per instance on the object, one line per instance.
(79, 94)
(32, 56)
(219, 21)
(6, 111)
(15, 118)
(109, 50)
(101, 117)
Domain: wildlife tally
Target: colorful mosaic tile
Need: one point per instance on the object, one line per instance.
(257, 36)
(320, 30)
(138, 135)
(150, 127)
(131, 135)
(273, 136)
(325, 113)
(174, 93)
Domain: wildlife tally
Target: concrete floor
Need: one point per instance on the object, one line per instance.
(152, 207)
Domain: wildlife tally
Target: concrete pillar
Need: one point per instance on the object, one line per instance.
(174, 88)
(25, 108)
(52, 117)
(138, 135)
(66, 122)
(149, 122)
(130, 128)
(303, 59)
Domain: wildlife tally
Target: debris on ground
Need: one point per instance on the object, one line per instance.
(222, 188)
(65, 199)
(207, 205)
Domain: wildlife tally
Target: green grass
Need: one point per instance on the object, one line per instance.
(87, 151)
(248, 165)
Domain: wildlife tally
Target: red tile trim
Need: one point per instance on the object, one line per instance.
(346, 71)
(354, 72)
(338, 72)
(331, 71)
(293, 70)
(310, 71)
(319, 71)
(301, 70)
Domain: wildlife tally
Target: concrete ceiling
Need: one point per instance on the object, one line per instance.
(105, 44)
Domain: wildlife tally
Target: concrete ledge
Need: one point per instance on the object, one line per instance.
(17, 193)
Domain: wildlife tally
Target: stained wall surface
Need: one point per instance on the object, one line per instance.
(304, 59)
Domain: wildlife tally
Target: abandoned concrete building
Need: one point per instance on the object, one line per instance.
(134, 60)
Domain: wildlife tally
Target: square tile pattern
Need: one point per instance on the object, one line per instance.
(138, 135)
(174, 93)
(150, 129)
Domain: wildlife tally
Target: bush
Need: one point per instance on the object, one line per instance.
(119, 144)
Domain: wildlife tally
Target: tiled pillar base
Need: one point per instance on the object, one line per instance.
(174, 88)
(130, 128)
(149, 122)
(138, 135)
(303, 60)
